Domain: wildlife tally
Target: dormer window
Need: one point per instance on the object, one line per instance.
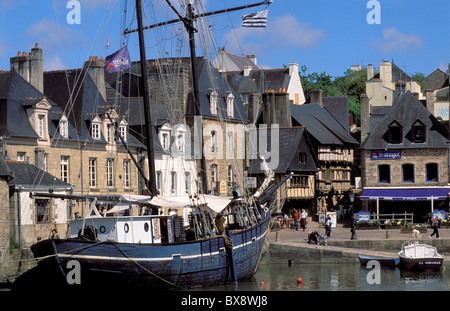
(123, 130)
(418, 132)
(395, 133)
(95, 128)
(164, 137)
(213, 102)
(38, 116)
(230, 105)
(64, 127)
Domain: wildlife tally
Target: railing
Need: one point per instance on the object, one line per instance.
(392, 217)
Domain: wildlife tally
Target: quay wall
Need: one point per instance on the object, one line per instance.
(340, 251)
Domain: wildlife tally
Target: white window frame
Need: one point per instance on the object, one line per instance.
(126, 174)
(213, 97)
(230, 105)
(92, 172)
(159, 180)
(123, 130)
(41, 125)
(65, 168)
(64, 127)
(110, 173)
(173, 182)
(95, 130)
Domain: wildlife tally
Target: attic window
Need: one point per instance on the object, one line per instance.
(123, 129)
(213, 102)
(63, 127)
(230, 105)
(418, 132)
(395, 133)
(95, 130)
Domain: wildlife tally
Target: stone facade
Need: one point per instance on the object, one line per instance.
(417, 157)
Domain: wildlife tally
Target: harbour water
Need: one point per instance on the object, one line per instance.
(338, 277)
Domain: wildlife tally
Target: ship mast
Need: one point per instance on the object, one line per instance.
(188, 22)
(151, 182)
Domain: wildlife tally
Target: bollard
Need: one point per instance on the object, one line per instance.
(387, 234)
(277, 236)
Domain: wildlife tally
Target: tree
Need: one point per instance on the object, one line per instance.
(352, 84)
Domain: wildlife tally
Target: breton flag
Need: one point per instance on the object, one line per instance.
(258, 19)
(117, 61)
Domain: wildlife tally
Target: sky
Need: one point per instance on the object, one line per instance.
(324, 35)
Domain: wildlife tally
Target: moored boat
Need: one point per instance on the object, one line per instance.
(418, 256)
(384, 261)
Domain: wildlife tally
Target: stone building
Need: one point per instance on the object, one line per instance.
(326, 120)
(220, 115)
(435, 87)
(384, 87)
(405, 151)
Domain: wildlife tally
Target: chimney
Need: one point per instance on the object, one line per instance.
(21, 65)
(253, 106)
(370, 72)
(365, 110)
(386, 72)
(276, 109)
(293, 68)
(96, 68)
(30, 67)
(37, 68)
(39, 158)
(247, 70)
(316, 97)
(252, 58)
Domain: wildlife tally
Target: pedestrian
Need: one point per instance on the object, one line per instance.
(353, 228)
(435, 225)
(303, 217)
(219, 223)
(328, 224)
(296, 219)
(55, 234)
(312, 237)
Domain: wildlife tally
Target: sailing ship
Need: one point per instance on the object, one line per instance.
(219, 240)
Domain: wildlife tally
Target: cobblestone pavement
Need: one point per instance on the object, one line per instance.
(342, 232)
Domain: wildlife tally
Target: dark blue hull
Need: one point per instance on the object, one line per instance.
(186, 264)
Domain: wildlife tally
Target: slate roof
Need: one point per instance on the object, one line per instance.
(406, 110)
(291, 141)
(28, 175)
(436, 80)
(259, 80)
(209, 79)
(229, 61)
(76, 94)
(16, 94)
(321, 125)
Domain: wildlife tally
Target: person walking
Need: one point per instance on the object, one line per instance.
(296, 219)
(435, 225)
(328, 224)
(303, 217)
(353, 228)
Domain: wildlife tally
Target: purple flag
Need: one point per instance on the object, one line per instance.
(119, 60)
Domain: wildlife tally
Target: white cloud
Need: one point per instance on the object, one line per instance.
(53, 63)
(395, 41)
(281, 33)
(50, 34)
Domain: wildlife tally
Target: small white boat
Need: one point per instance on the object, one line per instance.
(415, 256)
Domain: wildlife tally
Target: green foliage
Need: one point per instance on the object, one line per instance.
(351, 84)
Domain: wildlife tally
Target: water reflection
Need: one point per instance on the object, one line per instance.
(337, 277)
